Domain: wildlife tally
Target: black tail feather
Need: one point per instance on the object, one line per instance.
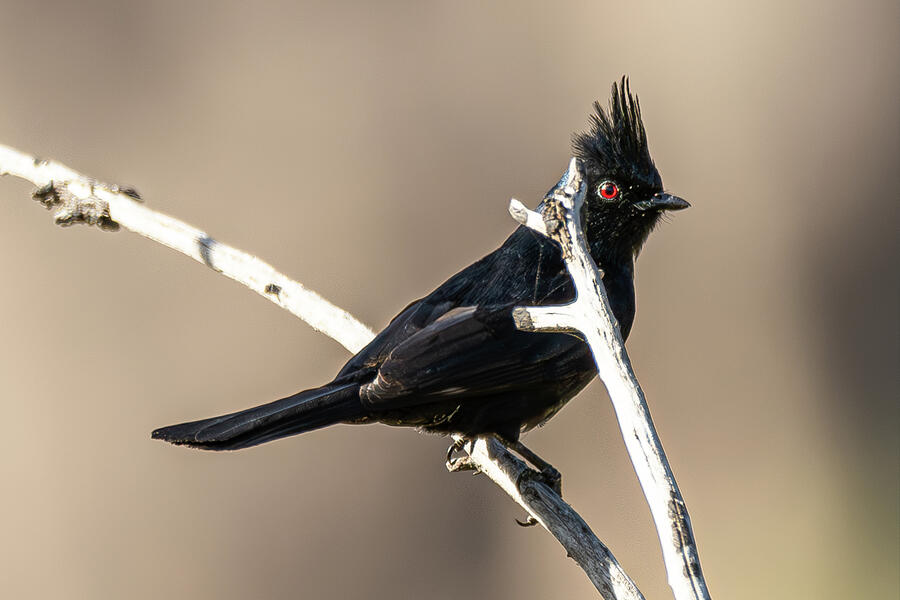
(305, 411)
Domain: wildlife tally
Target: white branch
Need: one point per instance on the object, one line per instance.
(546, 318)
(526, 217)
(591, 312)
(82, 199)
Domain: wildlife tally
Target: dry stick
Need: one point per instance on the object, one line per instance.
(80, 199)
(589, 313)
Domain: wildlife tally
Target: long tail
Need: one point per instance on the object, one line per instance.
(304, 411)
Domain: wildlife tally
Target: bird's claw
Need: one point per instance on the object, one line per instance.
(529, 522)
(456, 464)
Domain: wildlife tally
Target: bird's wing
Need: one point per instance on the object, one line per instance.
(416, 316)
(471, 352)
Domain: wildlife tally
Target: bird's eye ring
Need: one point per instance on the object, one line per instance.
(608, 190)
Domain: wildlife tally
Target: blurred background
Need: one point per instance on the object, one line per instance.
(766, 335)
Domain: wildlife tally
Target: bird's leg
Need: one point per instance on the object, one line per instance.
(459, 463)
(547, 473)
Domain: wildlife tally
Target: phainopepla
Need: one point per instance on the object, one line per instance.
(454, 362)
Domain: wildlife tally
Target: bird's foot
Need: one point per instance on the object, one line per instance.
(546, 473)
(549, 477)
(456, 464)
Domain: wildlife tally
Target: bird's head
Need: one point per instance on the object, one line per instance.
(625, 197)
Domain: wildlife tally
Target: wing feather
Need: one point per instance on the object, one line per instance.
(469, 352)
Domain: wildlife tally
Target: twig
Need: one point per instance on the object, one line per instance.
(82, 199)
(590, 314)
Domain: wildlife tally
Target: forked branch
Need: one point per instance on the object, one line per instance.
(589, 313)
(81, 199)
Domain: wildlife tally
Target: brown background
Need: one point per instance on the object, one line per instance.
(766, 336)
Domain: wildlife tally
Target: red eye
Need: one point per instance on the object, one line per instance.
(608, 190)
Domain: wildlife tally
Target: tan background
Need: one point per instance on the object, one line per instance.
(766, 336)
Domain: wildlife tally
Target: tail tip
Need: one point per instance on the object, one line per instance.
(170, 434)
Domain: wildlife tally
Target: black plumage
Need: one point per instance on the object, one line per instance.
(453, 361)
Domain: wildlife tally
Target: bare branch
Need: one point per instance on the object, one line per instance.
(78, 198)
(590, 313)
(490, 457)
(526, 217)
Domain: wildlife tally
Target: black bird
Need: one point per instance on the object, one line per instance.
(454, 362)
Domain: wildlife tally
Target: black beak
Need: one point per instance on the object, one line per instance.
(662, 201)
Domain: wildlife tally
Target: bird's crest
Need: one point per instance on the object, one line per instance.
(617, 141)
